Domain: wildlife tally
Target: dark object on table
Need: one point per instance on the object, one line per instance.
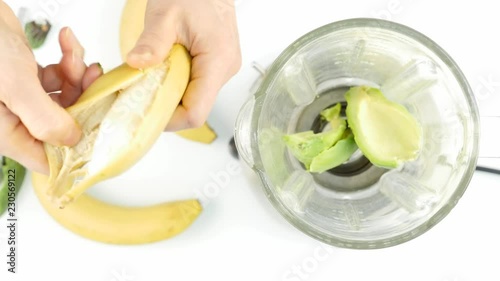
(36, 33)
(232, 148)
(488, 170)
(11, 179)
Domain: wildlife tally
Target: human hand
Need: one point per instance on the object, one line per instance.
(207, 28)
(28, 115)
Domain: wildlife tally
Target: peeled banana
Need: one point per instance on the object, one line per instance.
(131, 27)
(121, 116)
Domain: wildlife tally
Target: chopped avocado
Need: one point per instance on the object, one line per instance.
(306, 145)
(331, 113)
(385, 131)
(335, 155)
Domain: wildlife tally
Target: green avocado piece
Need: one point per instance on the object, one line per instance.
(331, 113)
(306, 145)
(385, 132)
(335, 155)
(11, 181)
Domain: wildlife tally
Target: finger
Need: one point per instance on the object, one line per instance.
(52, 81)
(51, 78)
(56, 97)
(69, 43)
(67, 75)
(209, 73)
(72, 66)
(54, 78)
(44, 119)
(71, 88)
(157, 38)
(20, 145)
(53, 90)
(93, 72)
(178, 121)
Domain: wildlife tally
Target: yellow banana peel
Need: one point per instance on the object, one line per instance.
(131, 27)
(121, 115)
(103, 222)
(203, 134)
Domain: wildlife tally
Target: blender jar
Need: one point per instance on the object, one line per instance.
(358, 205)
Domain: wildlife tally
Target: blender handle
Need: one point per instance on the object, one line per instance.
(489, 144)
(488, 170)
(243, 132)
(243, 127)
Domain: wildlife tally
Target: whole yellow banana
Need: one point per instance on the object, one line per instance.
(103, 222)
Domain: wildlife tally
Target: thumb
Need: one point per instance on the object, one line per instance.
(44, 118)
(157, 38)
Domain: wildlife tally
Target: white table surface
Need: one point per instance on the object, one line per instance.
(239, 236)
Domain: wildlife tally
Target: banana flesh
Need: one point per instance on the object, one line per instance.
(121, 115)
(131, 27)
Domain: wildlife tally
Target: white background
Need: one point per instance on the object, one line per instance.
(239, 236)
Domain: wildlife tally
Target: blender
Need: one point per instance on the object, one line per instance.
(359, 205)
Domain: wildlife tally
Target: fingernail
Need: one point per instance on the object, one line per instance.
(70, 35)
(100, 66)
(141, 54)
(76, 58)
(68, 32)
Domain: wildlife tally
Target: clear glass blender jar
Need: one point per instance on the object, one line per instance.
(358, 205)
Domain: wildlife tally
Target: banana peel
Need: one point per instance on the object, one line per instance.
(121, 115)
(131, 27)
(203, 134)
